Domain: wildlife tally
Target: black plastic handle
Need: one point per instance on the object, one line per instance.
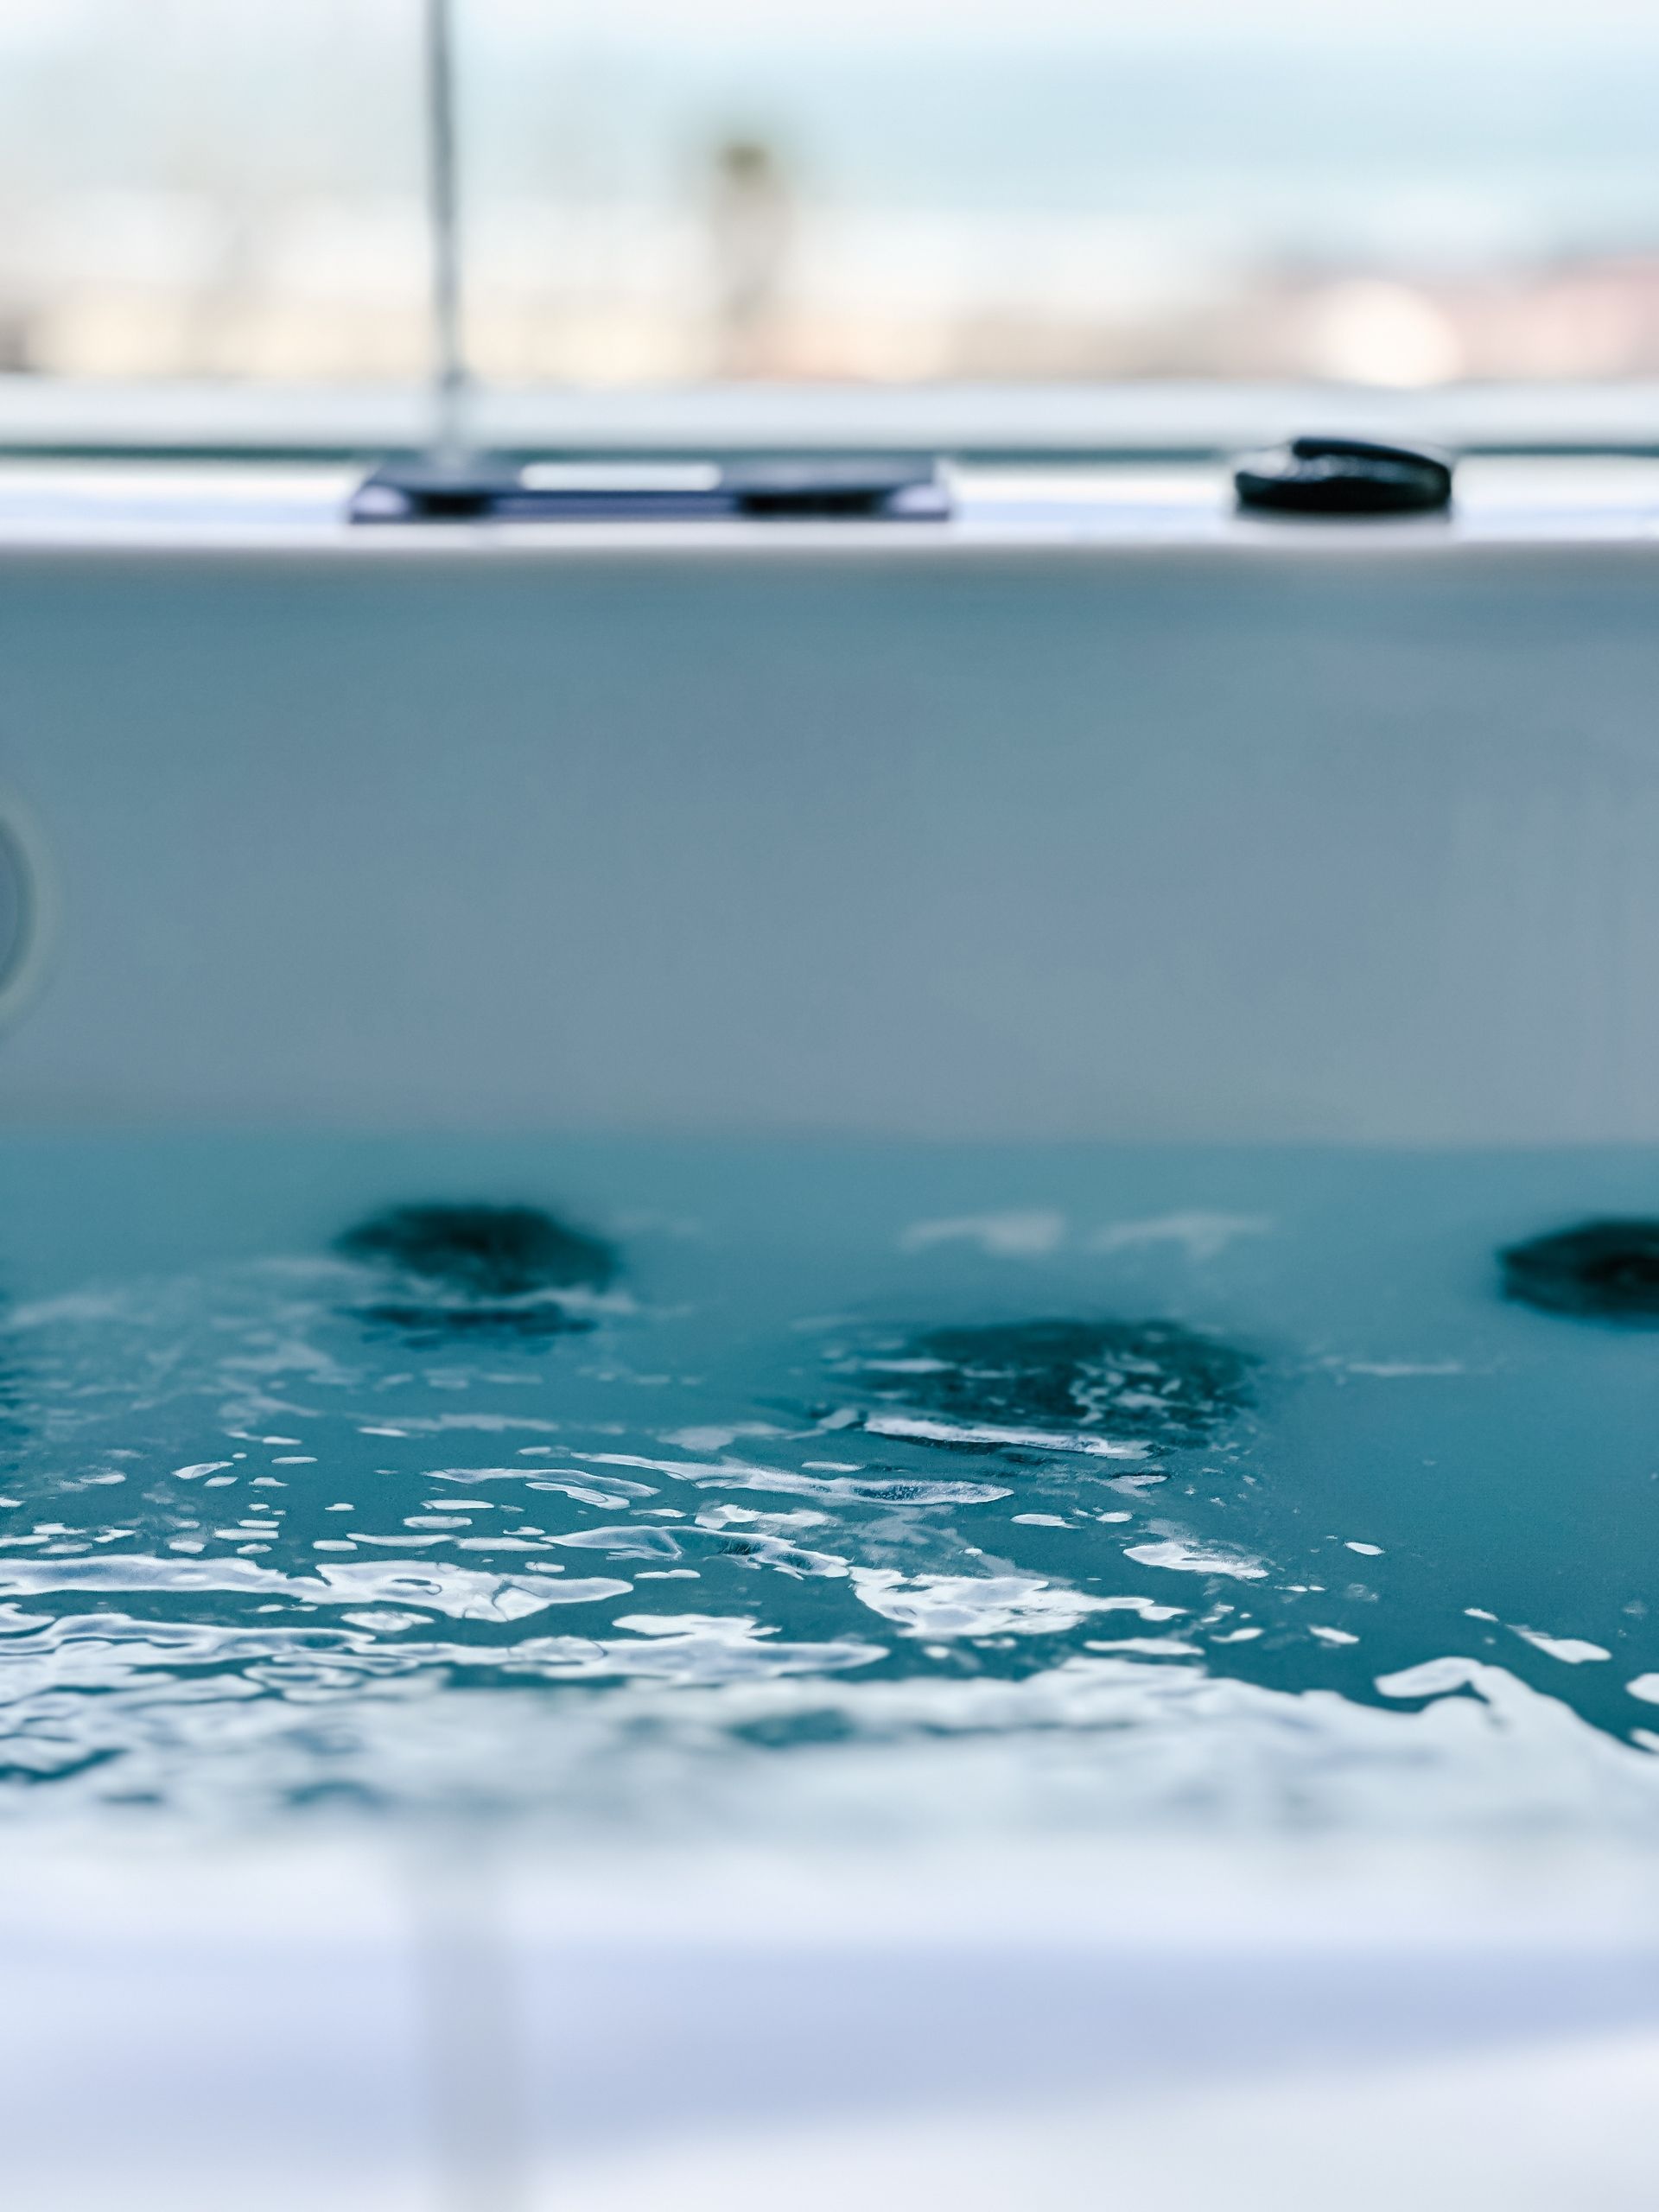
(1344, 476)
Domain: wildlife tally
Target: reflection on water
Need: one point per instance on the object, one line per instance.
(1105, 1379)
(486, 1270)
(825, 1521)
(1600, 1271)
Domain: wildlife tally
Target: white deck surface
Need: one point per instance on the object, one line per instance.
(92, 507)
(1181, 2026)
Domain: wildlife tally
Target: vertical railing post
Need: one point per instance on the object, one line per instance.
(449, 380)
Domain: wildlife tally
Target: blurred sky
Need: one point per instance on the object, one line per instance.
(1056, 185)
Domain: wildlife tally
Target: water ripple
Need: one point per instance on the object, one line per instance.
(710, 1558)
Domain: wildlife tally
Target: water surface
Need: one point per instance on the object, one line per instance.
(865, 1487)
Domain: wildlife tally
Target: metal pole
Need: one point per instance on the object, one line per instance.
(448, 355)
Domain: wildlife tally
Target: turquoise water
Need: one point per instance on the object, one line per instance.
(787, 1518)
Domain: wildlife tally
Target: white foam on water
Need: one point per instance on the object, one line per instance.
(1183, 1558)
(1028, 1234)
(1201, 1236)
(920, 1431)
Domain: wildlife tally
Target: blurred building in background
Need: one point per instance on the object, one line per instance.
(662, 192)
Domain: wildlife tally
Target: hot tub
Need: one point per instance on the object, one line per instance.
(738, 1735)
(1095, 813)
